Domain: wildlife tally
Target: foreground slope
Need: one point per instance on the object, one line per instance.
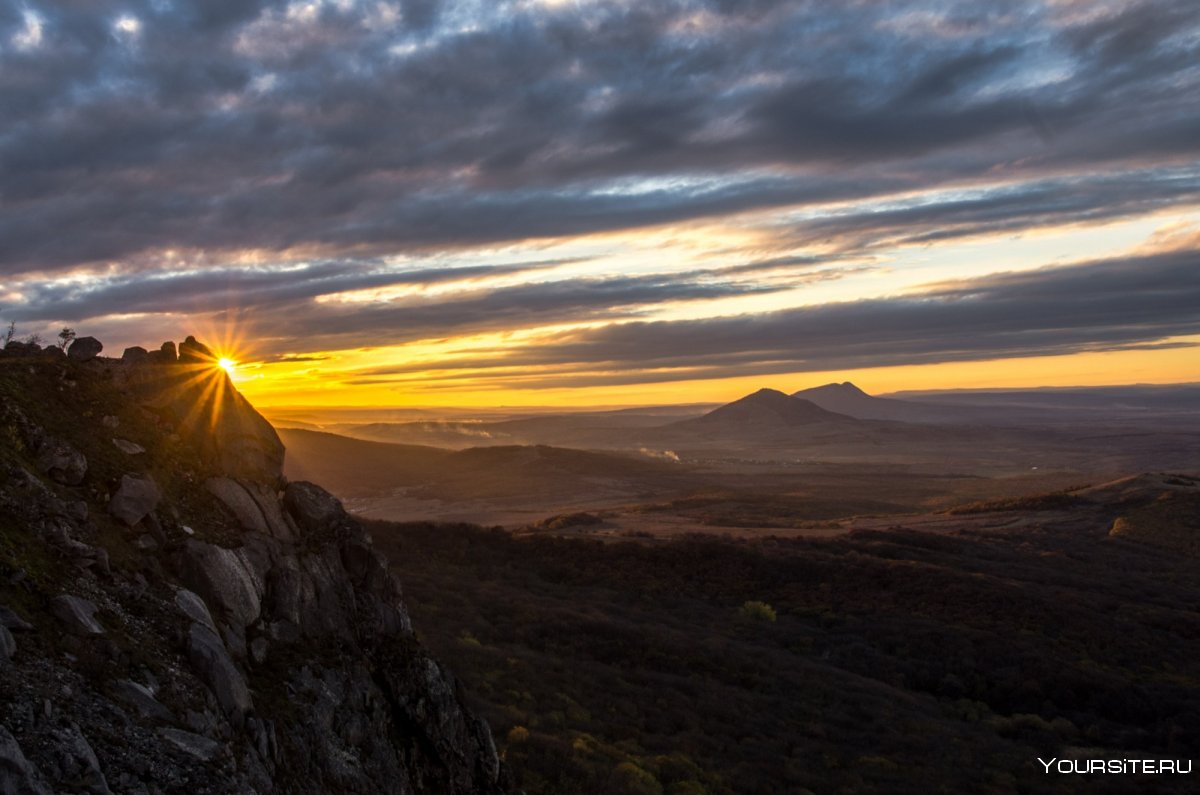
(175, 616)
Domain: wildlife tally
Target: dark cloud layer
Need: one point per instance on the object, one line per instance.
(153, 144)
(132, 126)
(337, 324)
(1120, 304)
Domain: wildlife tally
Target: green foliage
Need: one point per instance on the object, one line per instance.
(1055, 501)
(634, 780)
(758, 611)
(992, 650)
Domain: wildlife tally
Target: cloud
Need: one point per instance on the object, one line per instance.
(334, 324)
(1132, 303)
(1010, 208)
(259, 158)
(211, 290)
(341, 128)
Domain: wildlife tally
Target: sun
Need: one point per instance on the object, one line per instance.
(228, 365)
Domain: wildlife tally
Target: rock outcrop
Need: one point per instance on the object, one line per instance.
(136, 498)
(84, 349)
(175, 616)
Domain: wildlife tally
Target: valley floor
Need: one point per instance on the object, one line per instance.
(888, 659)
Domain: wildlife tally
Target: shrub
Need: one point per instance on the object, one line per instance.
(758, 611)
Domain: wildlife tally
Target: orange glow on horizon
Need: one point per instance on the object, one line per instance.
(302, 384)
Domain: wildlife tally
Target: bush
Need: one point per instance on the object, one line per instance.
(758, 611)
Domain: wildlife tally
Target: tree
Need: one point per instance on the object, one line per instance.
(10, 333)
(64, 338)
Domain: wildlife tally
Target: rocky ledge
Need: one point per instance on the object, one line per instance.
(175, 616)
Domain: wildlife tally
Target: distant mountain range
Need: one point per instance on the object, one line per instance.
(846, 398)
(1138, 398)
(766, 408)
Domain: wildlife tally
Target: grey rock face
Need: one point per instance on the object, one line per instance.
(84, 349)
(213, 418)
(426, 694)
(77, 613)
(258, 650)
(216, 669)
(345, 699)
(17, 775)
(192, 606)
(220, 577)
(146, 542)
(8, 646)
(239, 502)
(136, 497)
(315, 510)
(140, 698)
(11, 620)
(279, 524)
(202, 748)
(77, 763)
(62, 462)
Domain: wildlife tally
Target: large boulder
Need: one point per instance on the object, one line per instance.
(195, 745)
(127, 447)
(239, 502)
(217, 670)
(10, 620)
(192, 606)
(84, 349)
(17, 774)
(193, 352)
(18, 348)
(142, 699)
(136, 498)
(76, 762)
(279, 524)
(316, 511)
(223, 580)
(135, 355)
(77, 613)
(62, 462)
(164, 355)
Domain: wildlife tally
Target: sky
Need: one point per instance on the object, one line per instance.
(529, 202)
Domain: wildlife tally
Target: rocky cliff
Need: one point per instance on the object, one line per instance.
(176, 617)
